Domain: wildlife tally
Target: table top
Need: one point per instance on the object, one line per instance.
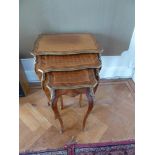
(68, 62)
(72, 79)
(64, 44)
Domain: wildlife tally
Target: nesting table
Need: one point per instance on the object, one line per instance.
(67, 64)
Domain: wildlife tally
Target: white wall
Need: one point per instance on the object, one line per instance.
(113, 67)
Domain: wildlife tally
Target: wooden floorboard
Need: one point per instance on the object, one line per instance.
(111, 119)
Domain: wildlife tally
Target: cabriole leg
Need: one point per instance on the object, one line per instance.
(62, 104)
(55, 109)
(90, 96)
(80, 100)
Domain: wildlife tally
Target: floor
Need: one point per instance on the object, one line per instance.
(111, 119)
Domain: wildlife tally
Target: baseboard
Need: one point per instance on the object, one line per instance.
(115, 72)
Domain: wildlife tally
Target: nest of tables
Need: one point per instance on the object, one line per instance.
(67, 64)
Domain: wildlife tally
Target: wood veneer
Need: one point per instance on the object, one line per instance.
(67, 64)
(72, 62)
(64, 44)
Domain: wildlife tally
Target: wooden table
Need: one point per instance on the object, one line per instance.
(67, 64)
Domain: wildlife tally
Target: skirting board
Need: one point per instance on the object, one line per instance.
(115, 72)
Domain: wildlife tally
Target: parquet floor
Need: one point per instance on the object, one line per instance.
(111, 119)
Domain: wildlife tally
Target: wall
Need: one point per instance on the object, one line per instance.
(112, 21)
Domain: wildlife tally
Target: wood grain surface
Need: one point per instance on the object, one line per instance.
(68, 62)
(63, 44)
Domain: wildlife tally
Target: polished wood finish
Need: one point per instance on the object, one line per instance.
(72, 79)
(73, 62)
(80, 100)
(112, 117)
(67, 64)
(64, 44)
(62, 103)
(74, 92)
(55, 109)
(90, 97)
(72, 83)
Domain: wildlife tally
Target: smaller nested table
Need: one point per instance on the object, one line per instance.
(71, 83)
(68, 64)
(48, 63)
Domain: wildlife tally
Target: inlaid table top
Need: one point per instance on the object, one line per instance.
(68, 62)
(72, 79)
(63, 44)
